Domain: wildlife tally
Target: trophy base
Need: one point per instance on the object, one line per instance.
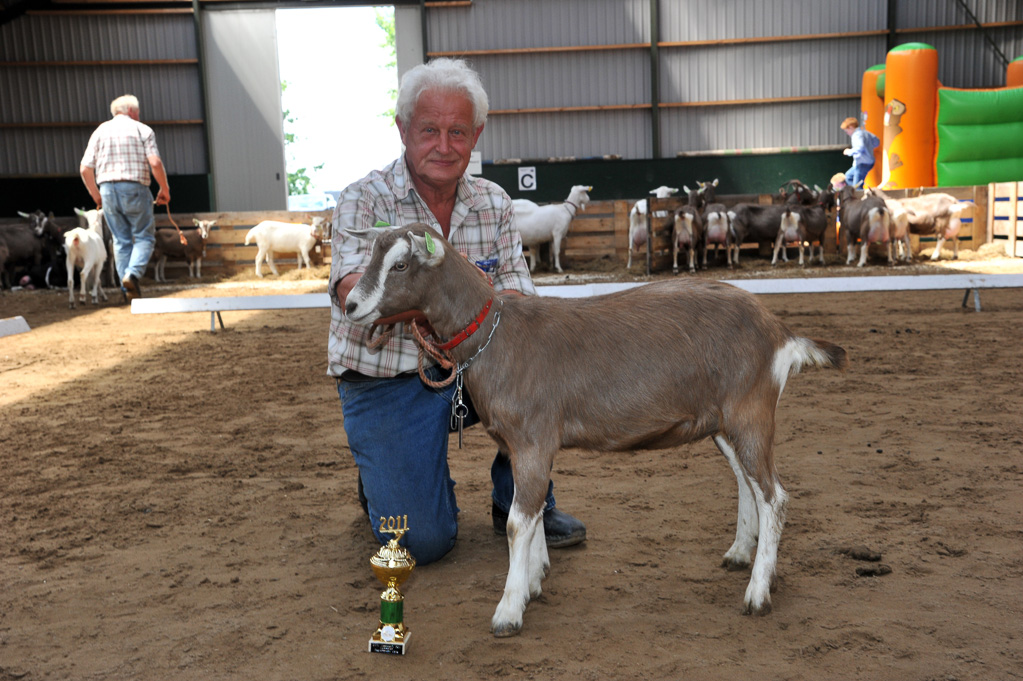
(393, 647)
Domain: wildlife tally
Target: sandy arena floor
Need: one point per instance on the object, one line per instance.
(177, 504)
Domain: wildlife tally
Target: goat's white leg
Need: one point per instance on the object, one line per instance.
(955, 247)
(260, 255)
(772, 521)
(692, 258)
(507, 620)
(532, 258)
(556, 252)
(198, 268)
(777, 247)
(539, 563)
(740, 555)
(937, 248)
(674, 252)
(851, 250)
(890, 246)
(270, 262)
(863, 254)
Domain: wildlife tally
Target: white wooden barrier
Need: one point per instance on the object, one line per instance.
(923, 282)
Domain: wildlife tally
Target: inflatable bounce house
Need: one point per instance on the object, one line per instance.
(936, 136)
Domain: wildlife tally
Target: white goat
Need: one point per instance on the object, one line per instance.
(580, 354)
(542, 224)
(85, 250)
(272, 237)
(637, 219)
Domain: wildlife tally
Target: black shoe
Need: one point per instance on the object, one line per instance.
(559, 528)
(132, 290)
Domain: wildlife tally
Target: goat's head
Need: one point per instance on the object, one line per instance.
(709, 190)
(319, 224)
(204, 227)
(36, 220)
(664, 192)
(580, 194)
(93, 219)
(398, 272)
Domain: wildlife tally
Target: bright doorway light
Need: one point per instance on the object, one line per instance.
(338, 87)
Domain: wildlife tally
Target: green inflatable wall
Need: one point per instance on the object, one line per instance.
(980, 136)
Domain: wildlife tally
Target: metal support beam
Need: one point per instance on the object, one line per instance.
(655, 95)
(983, 32)
(893, 20)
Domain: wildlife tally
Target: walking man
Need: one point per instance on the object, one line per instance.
(116, 169)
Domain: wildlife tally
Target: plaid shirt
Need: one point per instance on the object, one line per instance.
(480, 227)
(119, 151)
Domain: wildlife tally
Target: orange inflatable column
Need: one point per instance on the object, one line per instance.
(1014, 73)
(872, 115)
(910, 111)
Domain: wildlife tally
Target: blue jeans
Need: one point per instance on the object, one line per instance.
(128, 209)
(854, 176)
(398, 433)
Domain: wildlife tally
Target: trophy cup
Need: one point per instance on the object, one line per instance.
(392, 565)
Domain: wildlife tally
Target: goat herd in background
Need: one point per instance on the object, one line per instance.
(800, 217)
(50, 249)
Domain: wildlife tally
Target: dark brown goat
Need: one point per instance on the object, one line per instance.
(636, 369)
(169, 245)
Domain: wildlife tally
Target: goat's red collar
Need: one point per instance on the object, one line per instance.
(473, 327)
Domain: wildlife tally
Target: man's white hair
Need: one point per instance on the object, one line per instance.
(452, 75)
(124, 104)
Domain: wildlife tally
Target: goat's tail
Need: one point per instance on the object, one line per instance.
(801, 352)
(251, 235)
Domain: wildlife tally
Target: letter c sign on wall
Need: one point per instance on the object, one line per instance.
(527, 179)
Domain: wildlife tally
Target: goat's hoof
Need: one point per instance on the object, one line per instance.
(505, 629)
(734, 564)
(763, 609)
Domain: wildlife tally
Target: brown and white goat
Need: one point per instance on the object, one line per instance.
(193, 250)
(937, 215)
(580, 354)
(687, 233)
(802, 223)
(866, 219)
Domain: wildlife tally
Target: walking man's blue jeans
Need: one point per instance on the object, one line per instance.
(398, 433)
(128, 210)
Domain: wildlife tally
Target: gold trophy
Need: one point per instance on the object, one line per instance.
(392, 565)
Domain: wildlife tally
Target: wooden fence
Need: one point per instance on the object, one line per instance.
(226, 252)
(599, 235)
(1005, 215)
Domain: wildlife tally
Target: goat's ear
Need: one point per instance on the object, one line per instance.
(368, 234)
(195, 221)
(78, 211)
(817, 189)
(715, 182)
(686, 189)
(426, 249)
(24, 215)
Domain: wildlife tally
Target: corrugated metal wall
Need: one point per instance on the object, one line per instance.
(49, 109)
(758, 60)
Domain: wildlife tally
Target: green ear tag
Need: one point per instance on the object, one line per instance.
(381, 223)
(430, 246)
